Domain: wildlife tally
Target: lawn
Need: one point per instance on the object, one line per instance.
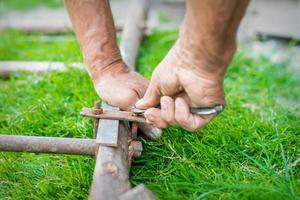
(248, 152)
(19, 5)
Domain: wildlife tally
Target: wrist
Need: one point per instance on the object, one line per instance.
(112, 67)
(207, 55)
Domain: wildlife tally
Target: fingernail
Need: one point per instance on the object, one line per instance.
(156, 133)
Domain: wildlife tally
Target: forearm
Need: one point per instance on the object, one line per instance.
(210, 29)
(94, 28)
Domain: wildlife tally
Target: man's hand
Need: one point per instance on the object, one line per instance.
(120, 86)
(179, 83)
(193, 71)
(113, 80)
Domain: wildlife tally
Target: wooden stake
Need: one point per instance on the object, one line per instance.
(111, 174)
(133, 31)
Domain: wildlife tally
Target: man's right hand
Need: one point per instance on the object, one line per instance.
(181, 81)
(192, 73)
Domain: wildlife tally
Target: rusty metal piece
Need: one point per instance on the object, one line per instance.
(120, 115)
(130, 154)
(137, 148)
(134, 130)
(97, 105)
(97, 111)
(33, 144)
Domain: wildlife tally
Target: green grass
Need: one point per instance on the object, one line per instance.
(15, 45)
(245, 153)
(7, 5)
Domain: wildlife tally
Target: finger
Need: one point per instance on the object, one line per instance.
(151, 98)
(112, 97)
(186, 119)
(139, 85)
(150, 131)
(153, 115)
(168, 110)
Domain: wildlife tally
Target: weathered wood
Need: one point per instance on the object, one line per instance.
(133, 31)
(140, 192)
(111, 174)
(107, 134)
(32, 144)
(8, 67)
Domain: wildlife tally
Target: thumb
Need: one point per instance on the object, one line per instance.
(151, 98)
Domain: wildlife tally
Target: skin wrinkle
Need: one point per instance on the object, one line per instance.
(94, 26)
(104, 66)
(206, 60)
(222, 18)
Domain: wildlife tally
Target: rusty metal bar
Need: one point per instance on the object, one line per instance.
(33, 144)
(121, 115)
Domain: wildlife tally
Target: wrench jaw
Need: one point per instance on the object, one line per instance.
(138, 111)
(114, 115)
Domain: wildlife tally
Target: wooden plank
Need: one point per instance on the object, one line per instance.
(133, 31)
(107, 134)
(111, 174)
(8, 67)
(140, 192)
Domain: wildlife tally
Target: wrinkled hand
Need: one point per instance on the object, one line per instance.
(122, 87)
(177, 84)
